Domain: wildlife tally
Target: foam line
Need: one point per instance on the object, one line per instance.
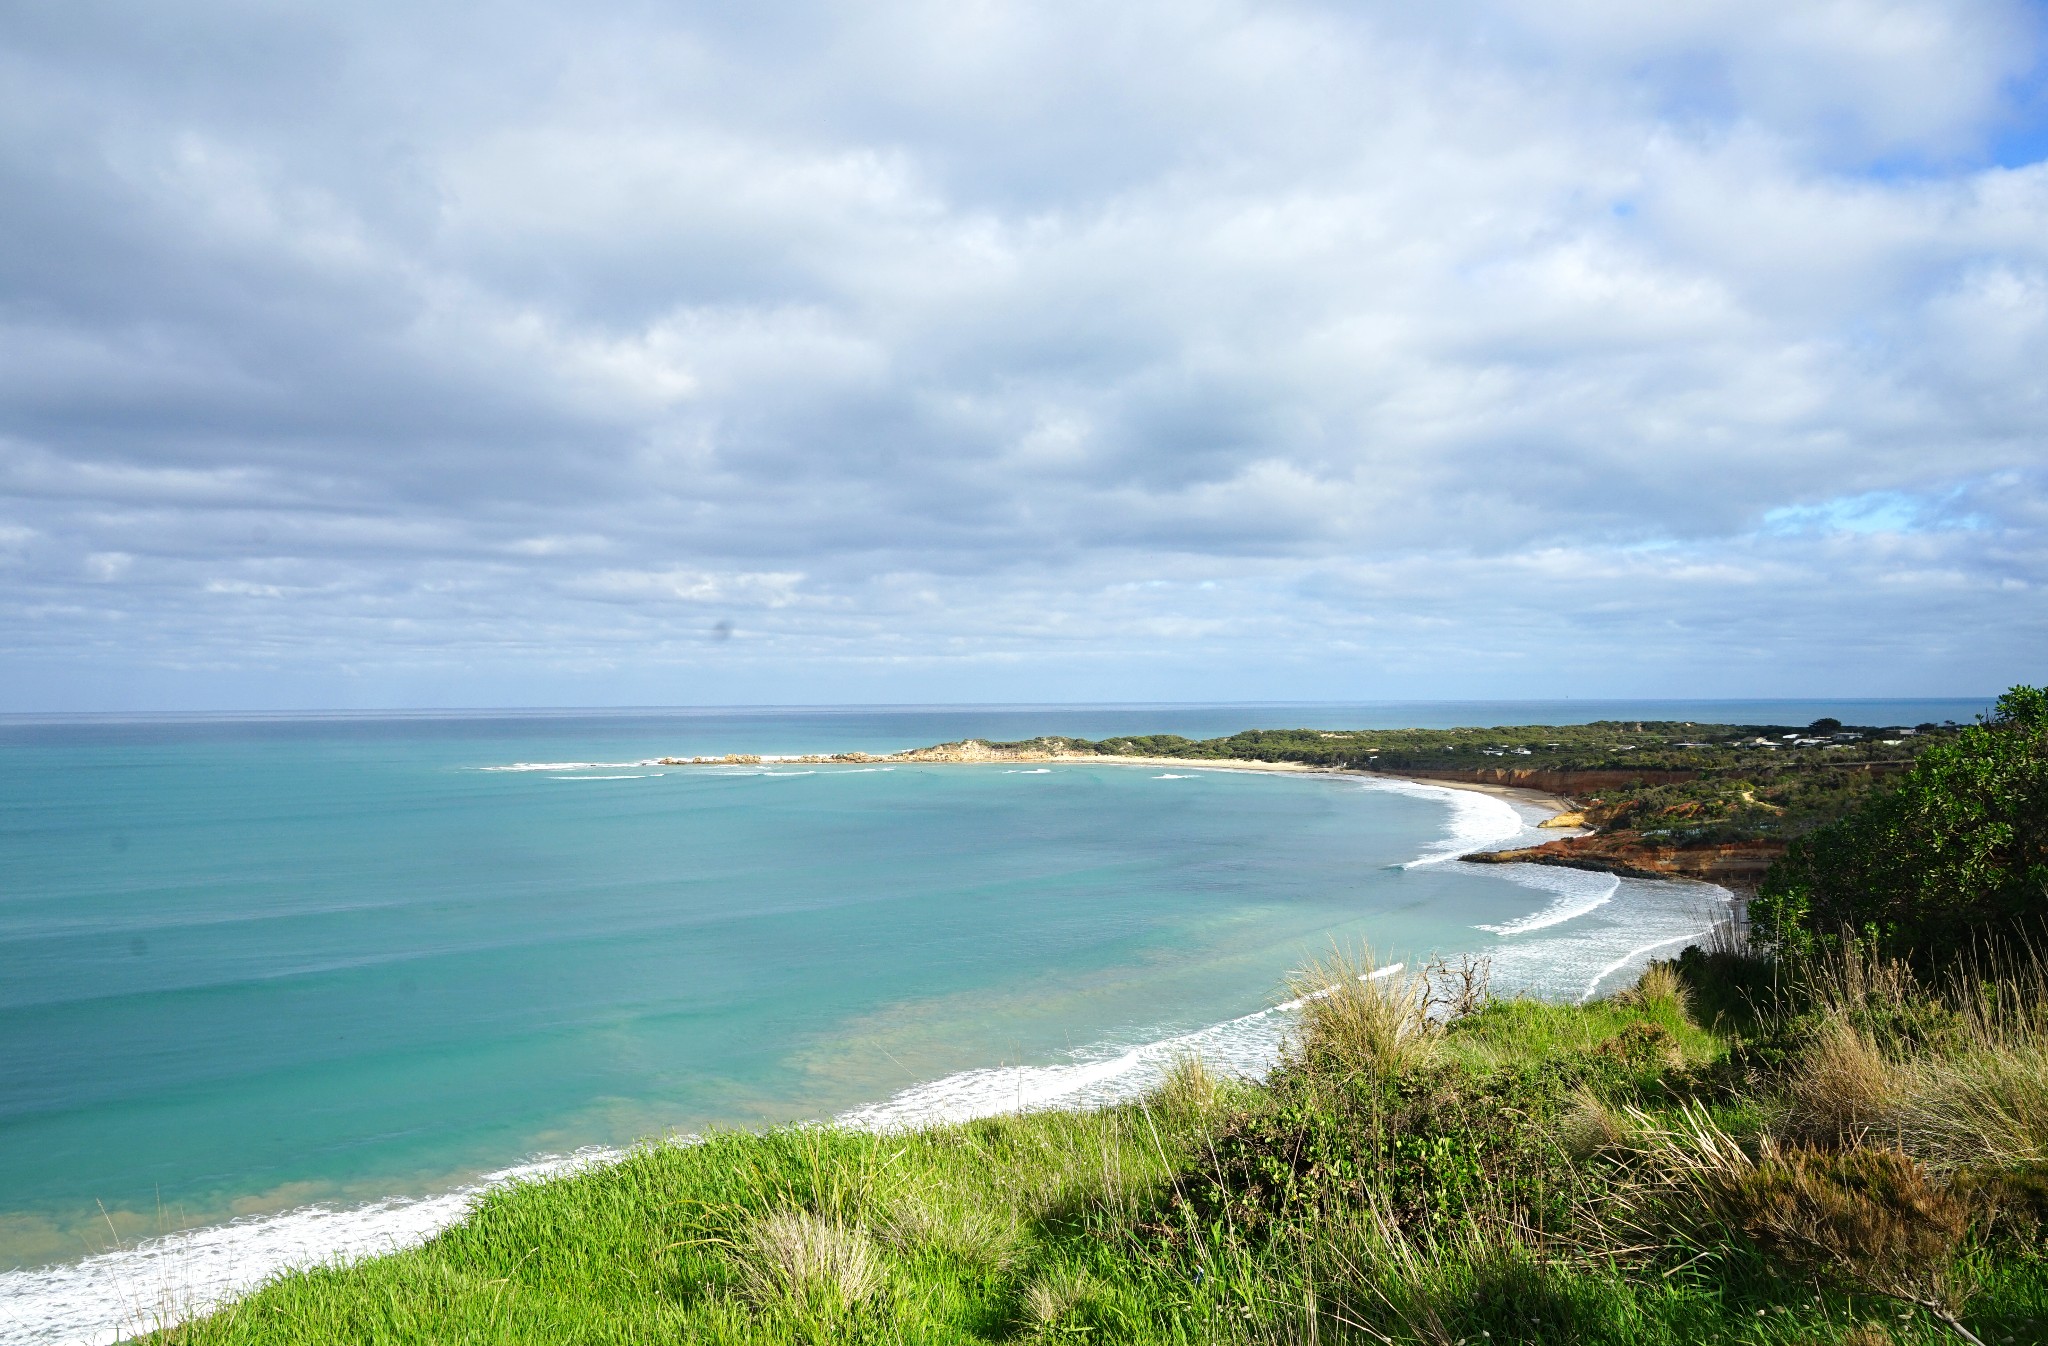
(570, 766)
(1579, 893)
(1477, 820)
(163, 1281)
(1245, 1047)
(1618, 964)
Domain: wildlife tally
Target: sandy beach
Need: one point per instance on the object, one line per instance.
(1556, 804)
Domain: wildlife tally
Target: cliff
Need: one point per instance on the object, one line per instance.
(1736, 864)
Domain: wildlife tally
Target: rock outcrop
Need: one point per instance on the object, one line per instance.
(974, 750)
(1733, 864)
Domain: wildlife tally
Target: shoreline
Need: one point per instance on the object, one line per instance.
(963, 755)
(390, 1224)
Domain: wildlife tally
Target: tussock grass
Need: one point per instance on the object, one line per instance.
(1359, 1018)
(1056, 1297)
(1188, 1090)
(1660, 985)
(1955, 1074)
(953, 1225)
(799, 1257)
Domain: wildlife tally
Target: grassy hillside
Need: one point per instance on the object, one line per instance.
(1726, 1154)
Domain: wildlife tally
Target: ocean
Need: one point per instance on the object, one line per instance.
(275, 989)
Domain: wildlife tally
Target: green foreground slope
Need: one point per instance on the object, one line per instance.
(1615, 1172)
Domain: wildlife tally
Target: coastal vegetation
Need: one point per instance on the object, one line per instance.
(1686, 783)
(1719, 802)
(1837, 1133)
(1957, 850)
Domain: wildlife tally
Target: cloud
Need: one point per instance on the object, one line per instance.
(523, 344)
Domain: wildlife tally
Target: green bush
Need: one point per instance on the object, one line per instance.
(1955, 856)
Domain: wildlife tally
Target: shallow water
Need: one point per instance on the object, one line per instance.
(317, 975)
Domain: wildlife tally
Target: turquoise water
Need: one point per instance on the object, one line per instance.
(247, 965)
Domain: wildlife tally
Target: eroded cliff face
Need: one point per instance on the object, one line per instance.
(1736, 864)
(974, 750)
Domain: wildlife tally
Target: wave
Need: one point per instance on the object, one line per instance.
(161, 1281)
(570, 766)
(1170, 776)
(1578, 893)
(1246, 1047)
(644, 775)
(1477, 820)
(1618, 964)
(1030, 771)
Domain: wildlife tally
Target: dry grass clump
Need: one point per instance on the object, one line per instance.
(1591, 1127)
(1357, 1019)
(1188, 1090)
(954, 1227)
(1872, 1217)
(798, 1256)
(1955, 1076)
(1867, 1334)
(1986, 1106)
(1843, 1087)
(1054, 1296)
(1660, 984)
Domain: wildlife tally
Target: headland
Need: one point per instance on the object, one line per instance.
(1643, 799)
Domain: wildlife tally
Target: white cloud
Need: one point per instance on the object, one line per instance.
(104, 567)
(929, 327)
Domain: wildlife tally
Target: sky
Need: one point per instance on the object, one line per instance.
(615, 353)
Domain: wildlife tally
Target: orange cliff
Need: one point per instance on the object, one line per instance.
(1734, 864)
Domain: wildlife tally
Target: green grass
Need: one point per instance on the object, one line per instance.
(1520, 1178)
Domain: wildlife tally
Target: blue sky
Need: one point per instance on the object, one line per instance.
(634, 353)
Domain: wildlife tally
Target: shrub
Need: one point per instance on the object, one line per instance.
(1427, 1149)
(1869, 1217)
